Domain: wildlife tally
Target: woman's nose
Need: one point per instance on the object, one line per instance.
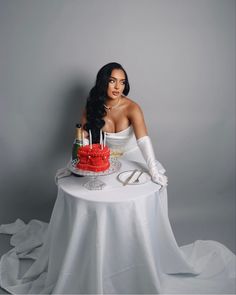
(116, 85)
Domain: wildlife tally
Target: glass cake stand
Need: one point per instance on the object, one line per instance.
(94, 183)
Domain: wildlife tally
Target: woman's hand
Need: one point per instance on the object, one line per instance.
(160, 179)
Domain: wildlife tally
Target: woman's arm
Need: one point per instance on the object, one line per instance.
(144, 142)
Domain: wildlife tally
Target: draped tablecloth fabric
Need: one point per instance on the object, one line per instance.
(117, 240)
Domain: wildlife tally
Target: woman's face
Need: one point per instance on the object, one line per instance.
(116, 84)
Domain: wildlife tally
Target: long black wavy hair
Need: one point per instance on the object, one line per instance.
(95, 110)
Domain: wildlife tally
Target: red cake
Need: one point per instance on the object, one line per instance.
(93, 159)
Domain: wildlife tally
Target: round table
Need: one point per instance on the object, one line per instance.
(105, 236)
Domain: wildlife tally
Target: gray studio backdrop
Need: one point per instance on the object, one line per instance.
(180, 58)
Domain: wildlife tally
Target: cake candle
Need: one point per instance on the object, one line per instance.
(101, 144)
(83, 137)
(90, 139)
(105, 137)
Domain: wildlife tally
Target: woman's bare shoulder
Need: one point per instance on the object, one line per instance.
(136, 118)
(131, 105)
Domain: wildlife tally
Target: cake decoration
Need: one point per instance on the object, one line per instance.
(94, 157)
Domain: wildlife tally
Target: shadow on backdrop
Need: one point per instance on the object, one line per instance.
(34, 191)
(74, 97)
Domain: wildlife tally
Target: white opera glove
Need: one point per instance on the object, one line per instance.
(85, 141)
(146, 148)
(62, 172)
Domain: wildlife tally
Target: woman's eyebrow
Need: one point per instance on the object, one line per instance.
(117, 79)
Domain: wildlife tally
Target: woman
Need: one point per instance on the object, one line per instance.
(201, 266)
(108, 108)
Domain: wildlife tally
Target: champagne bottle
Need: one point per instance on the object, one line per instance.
(78, 142)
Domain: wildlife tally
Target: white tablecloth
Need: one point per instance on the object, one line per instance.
(117, 240)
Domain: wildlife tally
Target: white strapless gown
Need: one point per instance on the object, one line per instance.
(124, 142)
(213, 265)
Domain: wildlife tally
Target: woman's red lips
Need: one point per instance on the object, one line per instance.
(115, 92)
